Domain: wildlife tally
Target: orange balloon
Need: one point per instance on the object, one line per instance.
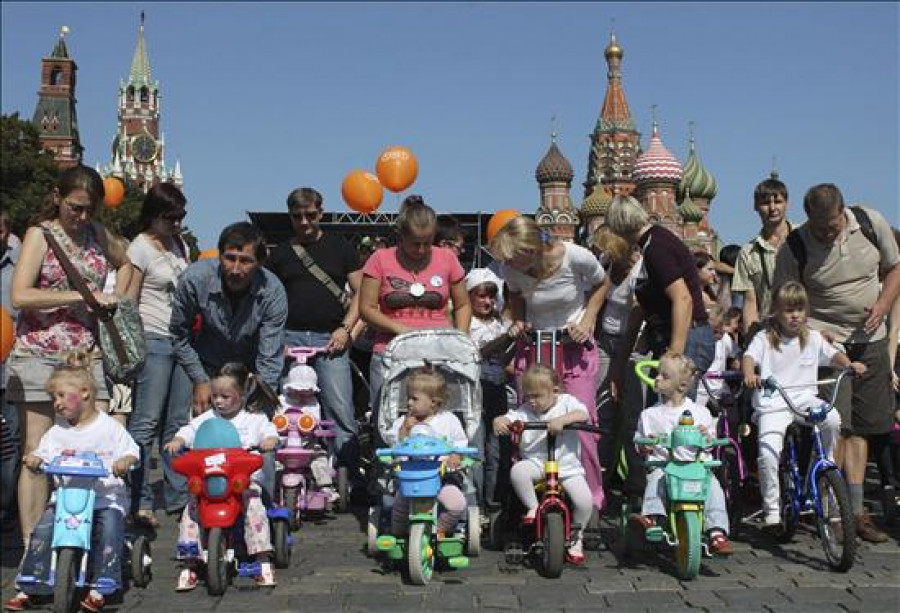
(208, 254)
(498, 220)
(7, 334)
(114, 191)
(397, 168)
(361, 191)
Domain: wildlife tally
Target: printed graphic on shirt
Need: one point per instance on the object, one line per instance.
(408, 294)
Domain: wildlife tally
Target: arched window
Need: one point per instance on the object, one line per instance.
(129, 94)
(145, 95)
(56, 76)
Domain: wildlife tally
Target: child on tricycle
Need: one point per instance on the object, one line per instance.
(544, 402)
(80, 428)
(676, 374)
(255, 430)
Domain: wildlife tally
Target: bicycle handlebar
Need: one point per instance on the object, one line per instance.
(519, 426)
(770, 384)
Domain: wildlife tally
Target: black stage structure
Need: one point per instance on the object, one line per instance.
(354, 227)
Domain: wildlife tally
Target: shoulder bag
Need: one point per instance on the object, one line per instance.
(321, 275)
(121, 332)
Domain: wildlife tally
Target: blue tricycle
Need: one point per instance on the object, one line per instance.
(419, 478)
(75, 474)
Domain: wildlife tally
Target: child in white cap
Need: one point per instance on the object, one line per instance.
(300, 390)
(489, 333)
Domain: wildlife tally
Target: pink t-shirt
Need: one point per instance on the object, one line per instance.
(396, 299)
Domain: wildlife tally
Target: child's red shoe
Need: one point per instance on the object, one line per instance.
(19, 602)
(93, 602)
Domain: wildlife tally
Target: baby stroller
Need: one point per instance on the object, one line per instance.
(457, 358)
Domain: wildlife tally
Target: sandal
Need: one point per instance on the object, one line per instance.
(93, 602)
(575, 554)
(719, 544)
(187, 580)
(266, 577)
(147, 518)
(19, 602)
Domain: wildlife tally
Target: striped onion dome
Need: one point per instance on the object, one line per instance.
(657, 164)
(697, 180)
(597, 202)
(689, 211)
(554, 168)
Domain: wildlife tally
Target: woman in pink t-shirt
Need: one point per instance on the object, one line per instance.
(407, 287)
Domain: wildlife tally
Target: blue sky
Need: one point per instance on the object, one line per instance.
(259, 98)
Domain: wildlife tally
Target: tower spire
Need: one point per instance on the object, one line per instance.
(140, 64)
(774, 173)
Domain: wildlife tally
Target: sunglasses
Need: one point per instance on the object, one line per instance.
(173, 216)
(79, 208)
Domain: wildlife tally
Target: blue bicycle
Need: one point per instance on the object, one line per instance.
(821, 491)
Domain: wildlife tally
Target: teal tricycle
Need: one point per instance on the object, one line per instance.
(687, 487)
(419, 472)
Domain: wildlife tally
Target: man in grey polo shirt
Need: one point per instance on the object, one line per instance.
(848, 304)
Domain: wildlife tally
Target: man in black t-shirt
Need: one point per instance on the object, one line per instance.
(315, 269)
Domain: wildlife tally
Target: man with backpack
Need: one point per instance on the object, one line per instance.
(837, 255)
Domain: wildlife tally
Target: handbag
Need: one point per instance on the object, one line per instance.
(122, 344)
(321, 275)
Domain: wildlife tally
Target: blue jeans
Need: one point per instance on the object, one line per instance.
(10, 458)
(335, 392)
(162, 405)
(104, 559)
(700, 346)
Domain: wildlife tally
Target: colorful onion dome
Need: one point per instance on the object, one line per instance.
(554, 168)
(689, 211)
(696, 179)
(597, 202)
(657, 164)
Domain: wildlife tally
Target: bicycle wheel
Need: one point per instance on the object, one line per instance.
(343, 488)
(729, 475)
(789, 494)
(420, 554)
(553, 555)
(836, 524)
(217, 564)
(290, 503)
(65, 590)
(281, 545)
(688, 548)
(140, 562)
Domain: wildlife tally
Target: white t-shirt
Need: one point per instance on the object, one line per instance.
(533, 446)
(313, 409)
(443, 424)
(482, 332)
(104, 436)
(726, 348)
(161, 272)
(792, 366)
(617, 306)
(251, 427)
(662, 419)
(553, 302)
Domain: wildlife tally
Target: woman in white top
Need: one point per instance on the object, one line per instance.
(553, 285)
(162, 395)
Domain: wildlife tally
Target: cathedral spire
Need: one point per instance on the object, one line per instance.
(140, 64)
(615, 113)
(60, 51)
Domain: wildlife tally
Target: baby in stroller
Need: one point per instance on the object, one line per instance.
(426, 395)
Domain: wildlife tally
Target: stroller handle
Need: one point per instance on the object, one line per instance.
(542, 425)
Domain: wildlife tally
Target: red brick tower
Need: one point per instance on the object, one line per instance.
(615, 143)
(54, 115)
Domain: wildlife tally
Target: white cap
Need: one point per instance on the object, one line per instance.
(301, 378)
(477, 276)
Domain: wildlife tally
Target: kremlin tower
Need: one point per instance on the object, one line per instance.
(138, 149)
(54, 115)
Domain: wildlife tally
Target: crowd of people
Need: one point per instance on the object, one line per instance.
(790, 301)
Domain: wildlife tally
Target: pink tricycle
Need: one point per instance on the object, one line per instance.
(304, 459)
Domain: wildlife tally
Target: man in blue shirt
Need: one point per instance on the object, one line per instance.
(242, 309)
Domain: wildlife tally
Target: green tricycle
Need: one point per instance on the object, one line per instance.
(419, 478)
(687, 487)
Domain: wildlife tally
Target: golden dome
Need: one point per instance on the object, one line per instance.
(613, 49)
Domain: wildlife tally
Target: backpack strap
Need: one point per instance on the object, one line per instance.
(798, 250)
(865, 224)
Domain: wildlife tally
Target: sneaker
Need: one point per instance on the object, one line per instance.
(642, 522)
(19, 602)
(187, 580)
(771, 521)
(331, 494)
(146, 517)
(528, 520)
(266, 577)
(93, 602)
(575, 554)
(719, 544)
(868, 531)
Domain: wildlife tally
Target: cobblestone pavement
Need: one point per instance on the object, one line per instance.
(330, 572)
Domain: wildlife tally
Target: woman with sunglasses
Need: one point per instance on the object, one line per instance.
(53, 317)
(162, 394)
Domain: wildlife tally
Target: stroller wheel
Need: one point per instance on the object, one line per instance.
(473, 532)
(372, 530)
(343, 490)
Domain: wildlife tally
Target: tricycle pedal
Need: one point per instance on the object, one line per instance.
(655, 534)
(458, 562)
(514, 554)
